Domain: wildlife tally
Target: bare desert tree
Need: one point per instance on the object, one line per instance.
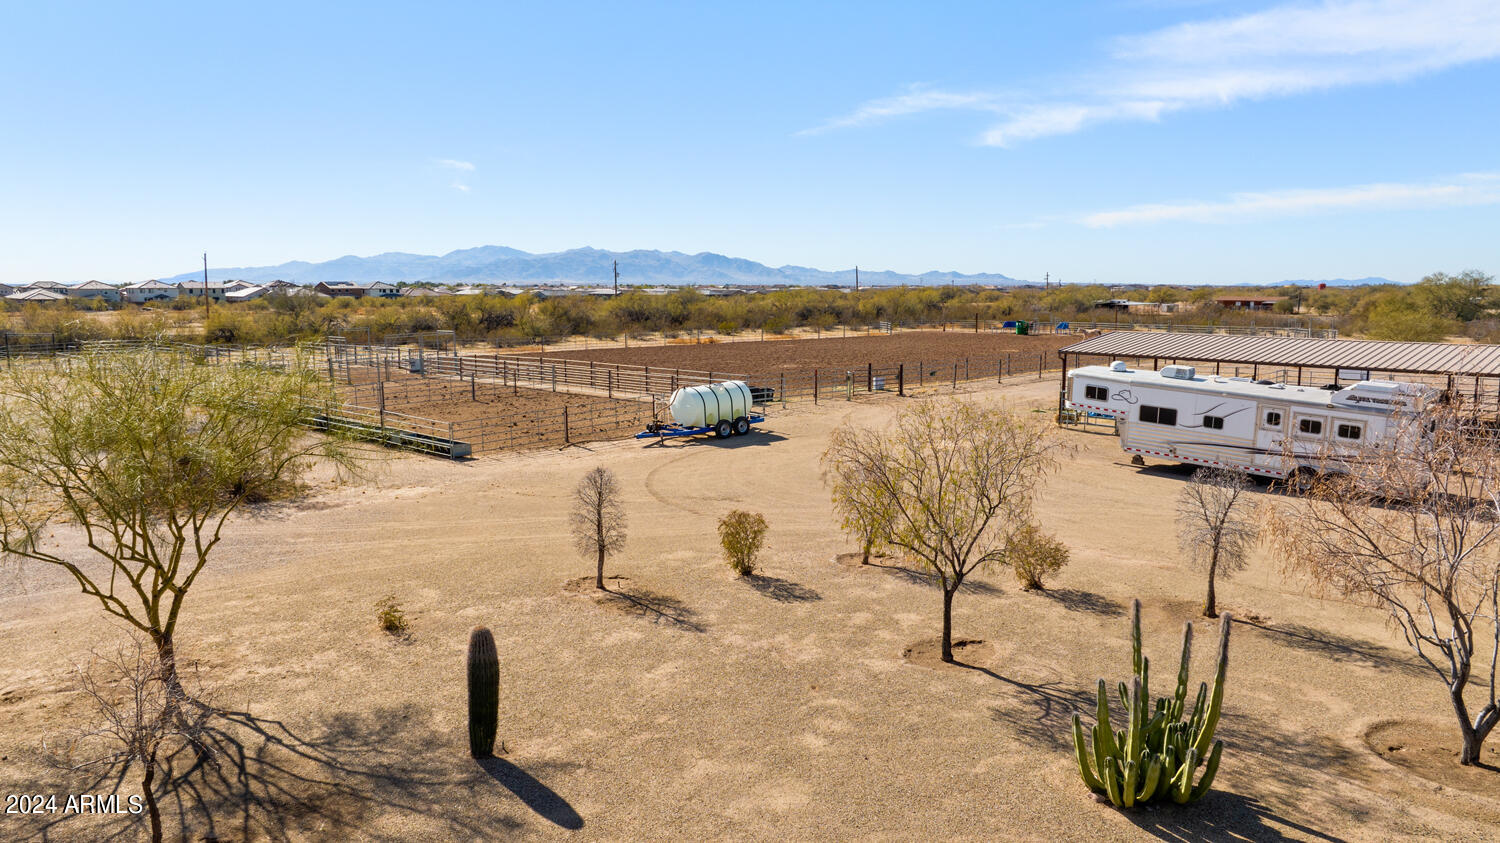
(598, 518)
(956, 479)
(141, 717)
(147, 453)
(1216, 525)
(857, 501)
(1414, 528)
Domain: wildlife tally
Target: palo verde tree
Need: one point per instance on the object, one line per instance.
(958, 480)
(146, 453)
(1215, 525)
(1413, 527)
(858, 502)
(598, 518)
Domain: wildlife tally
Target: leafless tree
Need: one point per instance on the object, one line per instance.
(142, 717)
(957, 480)
(598, 518)
(1413, 527)
(1216, 525)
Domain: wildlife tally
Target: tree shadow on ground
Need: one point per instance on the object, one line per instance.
(257, 778)
(1040, 713)
(1077, 600)
(924, 576)
(1220, 816)
(1338, 647)
(537, 796)
(780, 590)
(661, 608)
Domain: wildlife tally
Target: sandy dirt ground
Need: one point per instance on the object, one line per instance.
(772, 357)
(690, 704)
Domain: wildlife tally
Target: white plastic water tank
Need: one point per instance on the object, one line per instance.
(704, 406)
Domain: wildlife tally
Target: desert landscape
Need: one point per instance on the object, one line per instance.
(688, 703)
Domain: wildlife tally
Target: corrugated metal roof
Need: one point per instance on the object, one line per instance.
(1428, 358)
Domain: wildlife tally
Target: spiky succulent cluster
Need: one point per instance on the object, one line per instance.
(1158, 753)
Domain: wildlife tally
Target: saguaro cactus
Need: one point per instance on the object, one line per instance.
(1158, 753)
(484, 692)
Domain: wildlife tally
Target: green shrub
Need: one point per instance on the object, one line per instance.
(390, 617)
(1034, 556)
(742, 534)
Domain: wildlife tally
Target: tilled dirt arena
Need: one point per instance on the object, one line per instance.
(689, 704)
(452, 400)
(760, 359)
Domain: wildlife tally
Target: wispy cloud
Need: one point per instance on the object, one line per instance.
(1282, 51)
(464, 168)
(1467, 189)
(916, 99)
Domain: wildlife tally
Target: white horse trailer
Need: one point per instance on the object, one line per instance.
(1260, 426)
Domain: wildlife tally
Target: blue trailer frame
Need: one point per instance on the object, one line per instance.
(659, 430)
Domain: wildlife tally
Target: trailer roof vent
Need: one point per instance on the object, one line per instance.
(1182, 373)
(1118, 366)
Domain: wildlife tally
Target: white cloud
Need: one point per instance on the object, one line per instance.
(451, 163)
(1467, 189)
(461, 186)
(916, 100)
(1282, 51)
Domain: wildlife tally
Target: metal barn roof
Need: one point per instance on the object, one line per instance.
(1428, 358)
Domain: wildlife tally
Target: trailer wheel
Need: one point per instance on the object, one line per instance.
(741, 426)
(1301, 481)
(723, 429)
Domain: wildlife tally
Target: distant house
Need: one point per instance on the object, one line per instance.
(94, 290)
(46, 285)
(423, 292)
(1249, 302)
(37, 294)
(340, 289)
(249, 292)
(351, 290)
(147, 291)
(298, 292)
(7, 289)
(214, 289)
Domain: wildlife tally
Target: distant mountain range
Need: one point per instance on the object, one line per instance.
(501, 265)
(1343, 282)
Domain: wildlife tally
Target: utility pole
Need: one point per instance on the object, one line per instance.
(1046, 280)
(856, 278)
(205, 290)
(617, 277)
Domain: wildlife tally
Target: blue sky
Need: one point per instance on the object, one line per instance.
(1119, 141)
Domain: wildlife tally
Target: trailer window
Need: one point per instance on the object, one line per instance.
(1213, 422)
(1273, 419)
(1096, 393)
(1310, 427)
(1348, 431)
(1158, 415)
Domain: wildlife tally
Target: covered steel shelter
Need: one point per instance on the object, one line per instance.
(1472, 369)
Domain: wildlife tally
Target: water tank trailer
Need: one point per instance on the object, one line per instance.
(723, 409)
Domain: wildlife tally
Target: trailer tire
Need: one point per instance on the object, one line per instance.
(723, 429)
(1301, 481)
(741, 426)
